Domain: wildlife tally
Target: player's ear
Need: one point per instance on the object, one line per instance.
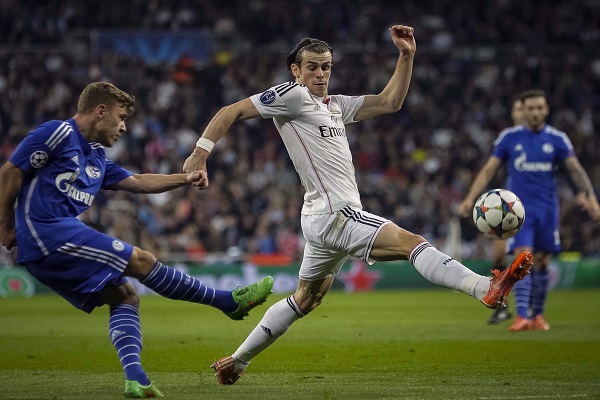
(101, 110)
(295, 70)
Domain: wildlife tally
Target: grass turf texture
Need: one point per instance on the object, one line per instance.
(425, 344)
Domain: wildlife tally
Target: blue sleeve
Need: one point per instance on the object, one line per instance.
(500, 149)
(114, 174)
(564, 149)
(40, 146)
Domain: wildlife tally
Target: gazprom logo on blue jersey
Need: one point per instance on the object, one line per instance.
(521, 164)
(267, 97)
(64, 183)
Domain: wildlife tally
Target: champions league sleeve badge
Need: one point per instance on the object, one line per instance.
(267, 97)
(38, 159)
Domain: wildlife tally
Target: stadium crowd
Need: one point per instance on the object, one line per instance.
(413, 167)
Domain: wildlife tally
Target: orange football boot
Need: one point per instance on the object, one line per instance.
(503, 281)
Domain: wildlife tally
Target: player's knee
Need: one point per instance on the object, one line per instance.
(412, 239)
(308, 303)
(131, 297)
(124, 294)
(140, 263)
(143, 257)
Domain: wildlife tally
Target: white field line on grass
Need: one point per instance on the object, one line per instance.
(571, 396)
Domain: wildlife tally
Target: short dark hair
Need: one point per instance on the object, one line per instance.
(309, 44)
(532, 93)
(104, 93)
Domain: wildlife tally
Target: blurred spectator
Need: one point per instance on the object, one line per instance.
(412, 166)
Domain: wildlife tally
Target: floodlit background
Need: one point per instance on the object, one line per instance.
(183, 60)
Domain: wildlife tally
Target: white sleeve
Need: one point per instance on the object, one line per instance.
(282, 100)
(349, 106)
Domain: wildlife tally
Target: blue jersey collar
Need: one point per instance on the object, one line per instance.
(85, 146)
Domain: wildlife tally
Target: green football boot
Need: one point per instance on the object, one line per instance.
(250, 296)
(133, 390)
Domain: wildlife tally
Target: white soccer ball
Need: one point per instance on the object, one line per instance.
(499, 214)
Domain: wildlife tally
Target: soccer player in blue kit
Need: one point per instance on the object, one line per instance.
(533, 152)
(51, 178)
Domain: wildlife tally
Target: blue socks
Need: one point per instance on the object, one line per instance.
(522, 293)
(531, 293)
(124, 323)
(540, 281)
(126, 336)
(175, 285)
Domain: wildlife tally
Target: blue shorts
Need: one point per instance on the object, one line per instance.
(540, 231)
(82, 267)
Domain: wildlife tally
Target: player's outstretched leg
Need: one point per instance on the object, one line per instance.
(176, 285)
(502, 282)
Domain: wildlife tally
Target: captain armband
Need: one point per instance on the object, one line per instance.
(205, 144)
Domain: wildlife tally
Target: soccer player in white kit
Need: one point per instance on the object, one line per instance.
(311, 124)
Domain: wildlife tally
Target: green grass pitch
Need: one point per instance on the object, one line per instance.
(421, 344)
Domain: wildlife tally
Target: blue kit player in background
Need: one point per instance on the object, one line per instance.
(52, 177)
(532, 153)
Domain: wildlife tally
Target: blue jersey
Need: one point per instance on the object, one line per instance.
(62, 173)
(532, 159)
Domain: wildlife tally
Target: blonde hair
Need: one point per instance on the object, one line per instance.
(104, 93)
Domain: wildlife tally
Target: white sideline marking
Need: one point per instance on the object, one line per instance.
(572, 396)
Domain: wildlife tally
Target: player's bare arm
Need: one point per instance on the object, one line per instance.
(480, 182)
(586, 198)
(10, 181)
(217, 127)
(158, 183)
(392, 97)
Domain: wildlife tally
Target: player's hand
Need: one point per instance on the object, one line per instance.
(403, 38)
(198, 179)
(8, 238)
(196, 161)
(465, 208)
(589, 204)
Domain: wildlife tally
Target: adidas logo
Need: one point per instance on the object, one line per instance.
(75, 159)
(115, 334)
(266, 330)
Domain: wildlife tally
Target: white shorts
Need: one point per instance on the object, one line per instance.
(332, 238)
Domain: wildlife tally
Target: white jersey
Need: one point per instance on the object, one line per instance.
(312, 129)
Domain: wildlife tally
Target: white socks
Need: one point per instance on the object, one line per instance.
(434, 265)
(274, 323)
(443, 270)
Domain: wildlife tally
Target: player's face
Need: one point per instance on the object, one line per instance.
(535, 110)
(111, 125)
(517, 114)
(314, 72)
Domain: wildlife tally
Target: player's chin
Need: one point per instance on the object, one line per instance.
(111, 142)
(320, 90)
